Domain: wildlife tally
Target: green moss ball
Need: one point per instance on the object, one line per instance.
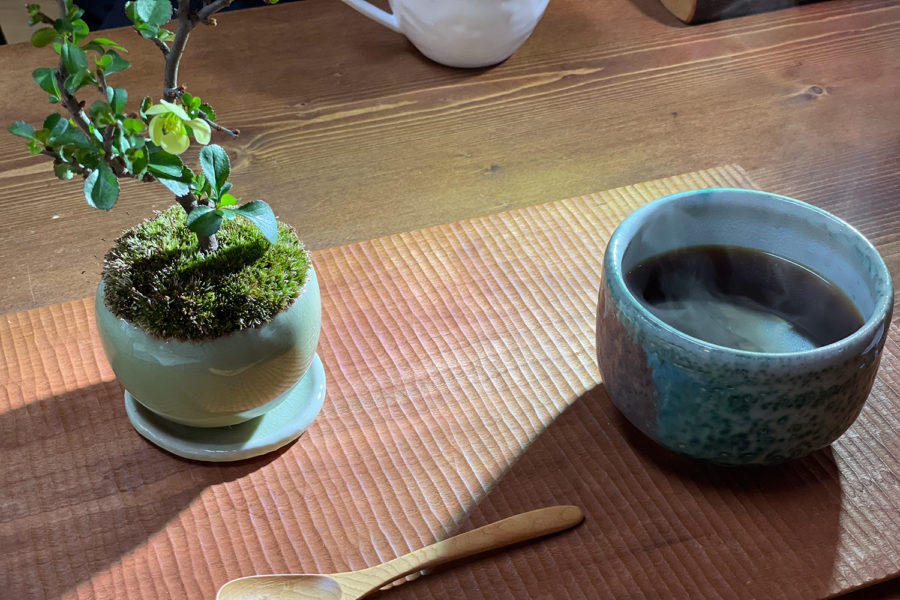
(155, 277)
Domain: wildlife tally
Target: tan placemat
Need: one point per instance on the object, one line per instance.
(462, 388)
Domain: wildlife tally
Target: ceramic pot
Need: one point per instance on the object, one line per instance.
(218, 382)
(460, 33)
(723, 404)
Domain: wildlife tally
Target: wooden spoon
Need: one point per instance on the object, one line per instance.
(352, 585)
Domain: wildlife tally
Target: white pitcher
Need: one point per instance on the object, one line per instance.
(460, 33)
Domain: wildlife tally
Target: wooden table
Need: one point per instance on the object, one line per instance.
(462, 384)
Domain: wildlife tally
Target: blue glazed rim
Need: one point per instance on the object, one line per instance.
(631, 224)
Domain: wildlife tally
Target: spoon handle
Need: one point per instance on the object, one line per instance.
(518, 528)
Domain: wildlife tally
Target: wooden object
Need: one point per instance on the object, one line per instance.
(462, 388)
(350, 134)
(360, 584)
(701, 11)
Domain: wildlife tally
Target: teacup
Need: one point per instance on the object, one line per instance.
(460, 33)
(730, 405)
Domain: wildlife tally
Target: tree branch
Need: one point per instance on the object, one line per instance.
(162, 46)
(186, 22)
(70, 102)
(232, 132)
(101, 83)
(57, 161)
(43, 18)
(210, 9)
(116, 164)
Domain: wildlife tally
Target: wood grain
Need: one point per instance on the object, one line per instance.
(462, 389)
(350, 134)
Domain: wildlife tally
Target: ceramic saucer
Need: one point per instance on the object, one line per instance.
(261, 435)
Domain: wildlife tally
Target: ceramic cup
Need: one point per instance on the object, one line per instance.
(460, 33)
(727, 405)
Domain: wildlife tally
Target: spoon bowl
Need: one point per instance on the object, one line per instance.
(352, 585)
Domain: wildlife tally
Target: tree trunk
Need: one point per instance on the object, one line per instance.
(207, 244)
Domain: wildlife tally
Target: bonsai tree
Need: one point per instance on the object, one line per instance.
(101, 141)
(104, 143)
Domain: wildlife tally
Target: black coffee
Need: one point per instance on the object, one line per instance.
(743, 298)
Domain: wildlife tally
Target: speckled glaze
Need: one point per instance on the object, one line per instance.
(217, 382)
(726, 405)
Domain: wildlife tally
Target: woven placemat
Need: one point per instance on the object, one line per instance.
(462, 388)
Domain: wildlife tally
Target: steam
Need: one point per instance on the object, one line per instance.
(731, 321)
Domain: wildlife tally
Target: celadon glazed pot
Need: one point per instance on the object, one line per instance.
(226, 398)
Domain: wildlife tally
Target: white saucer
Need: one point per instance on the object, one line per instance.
(261, 435)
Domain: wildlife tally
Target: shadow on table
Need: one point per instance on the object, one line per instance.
(656, 11)
(79, 489)
(721, 10)
(657, 524)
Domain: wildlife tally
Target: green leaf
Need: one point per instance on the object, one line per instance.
(73, 57)
(101, 188)
(112, 62)
(135, 160)
(21, 128)
(203, 220)
(147, 31)
(154, 12)
(100, 113)
(177, 187)
(57, 129)
(133, 125)
(63, 171)
(166, 165)
(226, 200)
(131, 12)
(87, 157)
(79, 30)
(108, 42)
(51, 120)
(191, 103)
(63, 26)
(260, 214)
(215, 164)
(72, 11)
(207, 110)
(42, 37)
(199, 184)
(76, 81)
(44, 77)
(117, 98)
(142, 110)
(180, 184)
(71, 136)
(33, 9)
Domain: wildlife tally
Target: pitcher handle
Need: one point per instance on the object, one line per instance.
(375, 13)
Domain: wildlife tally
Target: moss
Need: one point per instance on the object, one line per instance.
(156, 278)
